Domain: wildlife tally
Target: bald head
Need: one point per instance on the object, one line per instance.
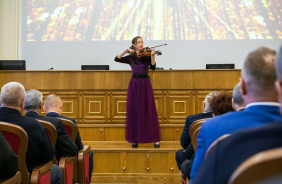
(12, 95)
(53, 103)
(258, 73)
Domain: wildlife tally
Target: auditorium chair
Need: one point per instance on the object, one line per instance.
(18, 139)
(16, 179)
(194, 138)
(194, 131)
(65, 163)
(52, 133)
(263, 166)
(83, 154)
(211, 147)
(195, 125)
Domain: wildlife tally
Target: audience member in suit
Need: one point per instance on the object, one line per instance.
(187, 152)
(229, 153)
(53, 106)
(40, 149)
(237, 100)
(64, 144)
(257, 83)
(8, 160)
(219, 104)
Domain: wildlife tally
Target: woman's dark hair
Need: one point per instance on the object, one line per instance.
(134, 41)
(221, 104)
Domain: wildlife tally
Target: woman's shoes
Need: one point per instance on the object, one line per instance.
(135, 145)
(156, 145)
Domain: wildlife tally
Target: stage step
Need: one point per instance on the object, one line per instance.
(118, 162)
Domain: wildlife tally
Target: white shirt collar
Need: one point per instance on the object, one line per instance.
(33, 111)
(263, 103)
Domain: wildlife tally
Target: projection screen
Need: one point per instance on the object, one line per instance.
(65, 34)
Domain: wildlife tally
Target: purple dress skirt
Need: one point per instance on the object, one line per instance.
(142, 123)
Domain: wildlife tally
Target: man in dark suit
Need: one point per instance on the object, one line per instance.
(40, 149)
(8, 160)
(33, 107)
(53, 107)
(229, 153)
(187, 152)
(260, 97)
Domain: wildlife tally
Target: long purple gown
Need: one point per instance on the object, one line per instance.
(142, 123)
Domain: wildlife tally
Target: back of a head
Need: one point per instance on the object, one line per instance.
(258, 72)
(33, 99)
(12, 94)
(221, 104)
(237, 96)
(279, 65)
(208, 100)
(52, 103)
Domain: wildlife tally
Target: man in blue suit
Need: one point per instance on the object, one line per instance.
(261, 99)
(53, 106)
(229, 153)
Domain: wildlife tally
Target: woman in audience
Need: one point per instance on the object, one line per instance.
(221, 104)
(142, 124)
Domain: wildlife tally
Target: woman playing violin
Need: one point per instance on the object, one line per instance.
(142, 124)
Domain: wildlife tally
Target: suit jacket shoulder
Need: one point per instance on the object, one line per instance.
(229, 153)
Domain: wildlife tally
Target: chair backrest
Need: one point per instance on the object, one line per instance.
(194, 138)
(70, 128)
(211, 147)
(195, 125)
(52, 134)
(18, 139)
(83, 164)
(16, 179)
(261, 166)
(51, 131)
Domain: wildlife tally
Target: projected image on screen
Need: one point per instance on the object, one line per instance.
(98, 20)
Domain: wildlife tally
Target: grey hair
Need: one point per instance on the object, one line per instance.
(33, 99)
(279, 65)
(259, 74)
(208, 100)
(12, 94)
(237, 96)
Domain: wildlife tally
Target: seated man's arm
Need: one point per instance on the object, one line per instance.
(185, 137)
(44, 145)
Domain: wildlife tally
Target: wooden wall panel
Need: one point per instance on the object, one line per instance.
(178, 105)
(99, 97)
(157, 162)
(136, 162)
(95, 106)
(216, 79)
(118, 107)
(8, 76)
(107, 160)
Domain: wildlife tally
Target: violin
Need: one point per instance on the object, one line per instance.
(147, 51)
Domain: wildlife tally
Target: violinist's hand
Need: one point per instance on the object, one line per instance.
(129, 50)
(153, 52)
